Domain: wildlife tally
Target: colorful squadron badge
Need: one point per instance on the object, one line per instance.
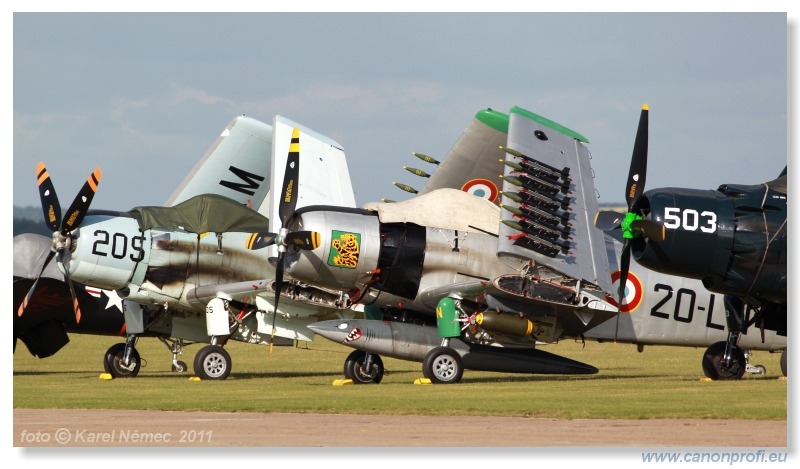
(345, 248)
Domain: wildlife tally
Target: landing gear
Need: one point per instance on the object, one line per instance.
(122, 360)
(719, 367)
(443, 365)
(753, 369)
(176, 347)
(725, 360)
(363, 367)
(783, 362)
(179, 366)
(212, 362)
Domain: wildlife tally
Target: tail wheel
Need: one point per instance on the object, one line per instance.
(114, 363)
(179, 367)
(443, 365)
(716, 370)
(212, 362)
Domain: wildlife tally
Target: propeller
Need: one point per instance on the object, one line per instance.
(632, 223)
(284, 239)
(61, 226)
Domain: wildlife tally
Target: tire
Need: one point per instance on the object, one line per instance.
(179, 367)
(443, 365)
(212, 362)
(783, 363)
(712, 366)
(354, 368)
(113, 362)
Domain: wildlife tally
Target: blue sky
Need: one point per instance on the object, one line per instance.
(143, 95)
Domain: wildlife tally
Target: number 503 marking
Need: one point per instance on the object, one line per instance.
(690, 220)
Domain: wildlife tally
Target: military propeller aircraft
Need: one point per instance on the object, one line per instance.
(495, 289)
(434, 255)
(733, 239)
(183, 273)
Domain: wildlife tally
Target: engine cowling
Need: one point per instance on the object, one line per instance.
(107, 249)
(348, 251)
(358, 251)
(733, 239)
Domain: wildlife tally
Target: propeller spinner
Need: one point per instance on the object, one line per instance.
(61, 226)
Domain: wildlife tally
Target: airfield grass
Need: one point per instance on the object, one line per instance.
(660, 382)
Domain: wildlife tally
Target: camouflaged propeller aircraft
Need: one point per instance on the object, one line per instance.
(183, 273)
(498, 282)
(732, 239)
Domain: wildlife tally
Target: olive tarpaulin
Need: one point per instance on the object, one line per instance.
(202, 214)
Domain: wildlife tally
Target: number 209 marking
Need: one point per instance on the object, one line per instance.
(690, 220)
(117, 245)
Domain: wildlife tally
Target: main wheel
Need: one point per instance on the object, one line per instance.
(354, 368)
(443, 365)
(783, 362)
(212, 362)
(713, 367)
(113, 362)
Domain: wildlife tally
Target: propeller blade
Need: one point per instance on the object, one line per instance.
(28, 296)
(47, 194)
(260, 240)
(76, 212)
(307, 240)
(652, 230)
(607, 220)
(278, 288)
(75, 305)
(638, 170)
(286, 209)
(625, 263)
(288, 193)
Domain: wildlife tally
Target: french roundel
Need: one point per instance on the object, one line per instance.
(633, 293)
(483, 188)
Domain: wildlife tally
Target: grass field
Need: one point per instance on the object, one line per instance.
(661, 382)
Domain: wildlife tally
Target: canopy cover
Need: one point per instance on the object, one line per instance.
(201, 214)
